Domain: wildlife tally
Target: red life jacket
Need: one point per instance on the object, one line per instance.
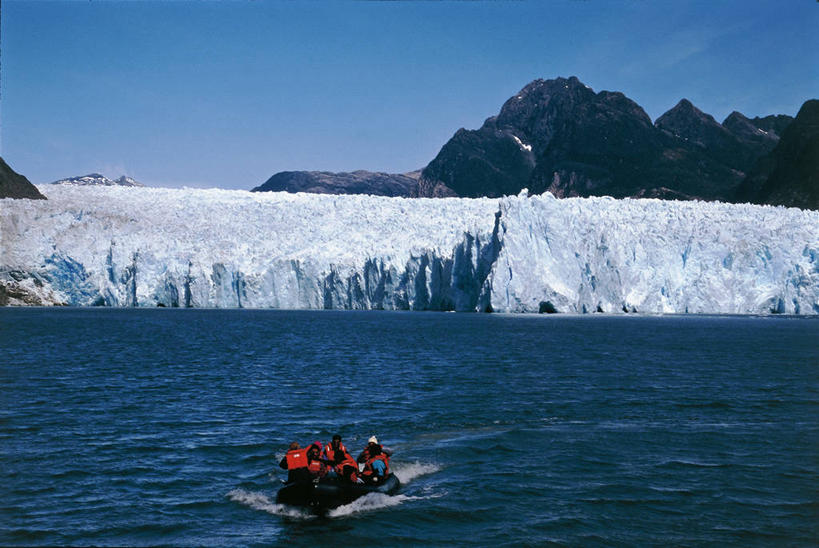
(368, 466)
(296, 458)
(330, 453)
(317, 468)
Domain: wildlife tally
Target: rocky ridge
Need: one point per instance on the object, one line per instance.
(563, 137)
(789, 174)
(357, 182)
(14, 185)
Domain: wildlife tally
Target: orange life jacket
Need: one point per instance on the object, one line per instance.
(330, 453)
(296, 458)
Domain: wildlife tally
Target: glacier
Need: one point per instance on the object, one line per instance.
(120, 246)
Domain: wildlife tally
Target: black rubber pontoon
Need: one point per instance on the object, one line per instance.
(332, 492)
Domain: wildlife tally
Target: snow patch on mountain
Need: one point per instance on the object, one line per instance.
(97, 179)
(520, 143)
(117, 246)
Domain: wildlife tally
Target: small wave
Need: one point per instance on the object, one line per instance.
(67, 474)
(705, 405)
(260, 501)
(28, 535)
(681, 463)
(622, 501)
(408, 472)
(674, 490)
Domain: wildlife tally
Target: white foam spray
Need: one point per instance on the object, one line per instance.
(260, 501)
(368, 503)
(408, 472)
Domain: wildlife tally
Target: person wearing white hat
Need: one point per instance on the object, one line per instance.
(372, 442)
(376, 460)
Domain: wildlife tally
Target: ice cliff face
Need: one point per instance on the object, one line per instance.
(214, 248)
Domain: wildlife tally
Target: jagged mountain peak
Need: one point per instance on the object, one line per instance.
(767, 127)
(735, 117)
(540, 85)
(127, 181)
(538, 94)
(536, 127)
(773, 123)
(747, 130)
(683, 114)
(535, 111)
(684, 104)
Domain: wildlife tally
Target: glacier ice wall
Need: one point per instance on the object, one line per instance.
(605, 255)
(216, 248)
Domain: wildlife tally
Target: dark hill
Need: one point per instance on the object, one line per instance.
(14, 185)
(357, 182)
(789, 175)
(687, 122)
(764, 132)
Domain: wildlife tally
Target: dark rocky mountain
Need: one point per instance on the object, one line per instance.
(561, 136)
(357, 182)
(96, 179)
(687, 122)
(775, 124)
(789, 175)
(763, 131)
(14, 185)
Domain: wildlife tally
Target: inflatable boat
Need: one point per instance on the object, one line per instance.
(328, 493)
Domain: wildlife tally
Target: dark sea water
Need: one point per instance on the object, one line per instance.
(146, 427)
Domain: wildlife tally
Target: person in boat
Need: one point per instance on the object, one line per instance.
(371, 444)
(316, 466)
(296, 463)
(331, 448)
(376, 461)
(345, 467)
(340, 463)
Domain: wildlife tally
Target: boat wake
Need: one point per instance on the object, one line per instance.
(260, 501)
(372, 501)
(368, 503)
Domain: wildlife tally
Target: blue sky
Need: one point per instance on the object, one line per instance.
(208, 94)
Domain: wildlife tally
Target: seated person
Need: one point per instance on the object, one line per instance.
(346, 468)
(377, 462)
(371, 444)
(331, 448)
(315, 464)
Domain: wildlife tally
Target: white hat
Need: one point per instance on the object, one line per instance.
(372, 439)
